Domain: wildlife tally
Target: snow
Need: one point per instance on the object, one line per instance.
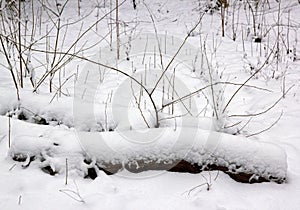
(264, 159)
(201, 147)
(161, 144)
(95, 120)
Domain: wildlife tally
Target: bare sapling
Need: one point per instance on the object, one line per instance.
(224, 5)
(118, 29)
(20, 44)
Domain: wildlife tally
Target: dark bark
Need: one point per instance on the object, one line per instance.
(183, 166)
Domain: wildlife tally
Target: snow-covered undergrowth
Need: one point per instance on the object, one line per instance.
(227, 103)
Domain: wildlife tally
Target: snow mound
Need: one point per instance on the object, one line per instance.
(152, 149)
(200, 147)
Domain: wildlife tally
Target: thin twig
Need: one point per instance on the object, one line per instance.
(266, 110)
(138, 102)
(177, 52)
(268, 128)
(247, 80)
(75, 195)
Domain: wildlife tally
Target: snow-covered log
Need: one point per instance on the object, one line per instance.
(184, 150)
(187, 150)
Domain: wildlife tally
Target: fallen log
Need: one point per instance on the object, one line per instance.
(186, 150)
(189, 151)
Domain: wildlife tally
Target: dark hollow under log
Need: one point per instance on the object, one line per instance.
(184, 166)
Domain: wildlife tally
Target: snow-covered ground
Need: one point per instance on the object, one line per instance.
(96, 116)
